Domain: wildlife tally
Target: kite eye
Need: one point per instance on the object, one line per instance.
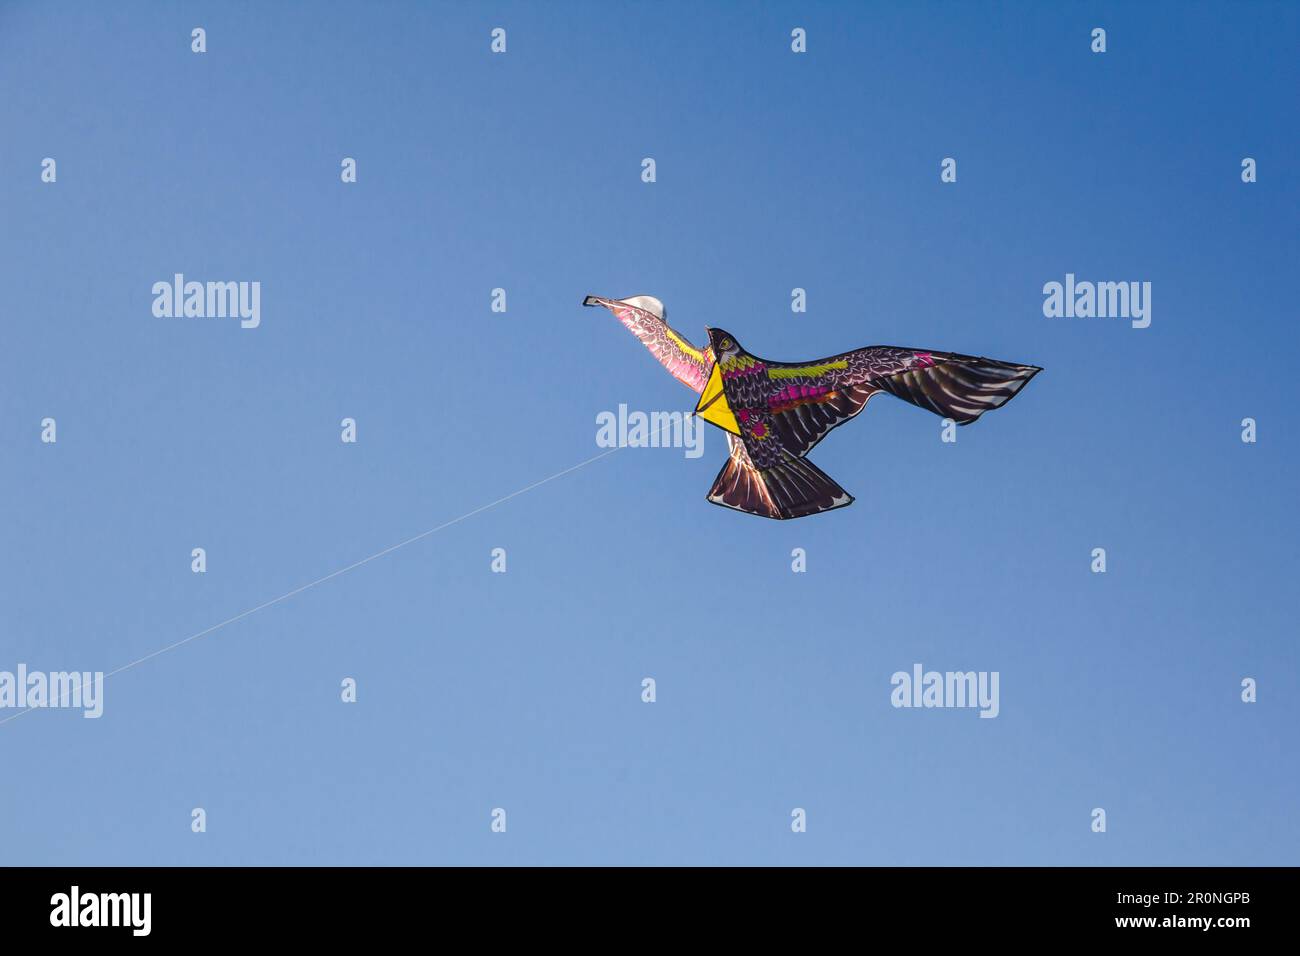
(724, 344)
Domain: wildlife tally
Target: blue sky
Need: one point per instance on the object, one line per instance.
(522, 690)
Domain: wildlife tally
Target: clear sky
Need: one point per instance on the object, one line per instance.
(522, 690)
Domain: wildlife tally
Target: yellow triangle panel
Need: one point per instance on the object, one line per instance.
(713, 405)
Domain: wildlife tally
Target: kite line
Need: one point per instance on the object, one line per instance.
(341, 571)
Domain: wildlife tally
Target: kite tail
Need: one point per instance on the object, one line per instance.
(793, 489)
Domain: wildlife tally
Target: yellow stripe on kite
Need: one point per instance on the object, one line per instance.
(684, 345)
(806, 371)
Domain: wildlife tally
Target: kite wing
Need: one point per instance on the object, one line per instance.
(812, 398)
(960, 387)
(644, 317)
(800, 420)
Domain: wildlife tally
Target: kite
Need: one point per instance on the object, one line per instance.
(774, 413)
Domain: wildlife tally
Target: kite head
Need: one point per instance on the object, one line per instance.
(724, 345)
(713, 406)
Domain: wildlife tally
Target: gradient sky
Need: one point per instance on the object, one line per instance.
(522, 691)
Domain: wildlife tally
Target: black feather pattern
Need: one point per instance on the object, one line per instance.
(960, 387)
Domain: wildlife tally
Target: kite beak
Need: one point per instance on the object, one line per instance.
(713, 407)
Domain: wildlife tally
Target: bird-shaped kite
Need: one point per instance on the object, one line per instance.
(775, 412)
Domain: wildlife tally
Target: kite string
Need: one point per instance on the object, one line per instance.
(100, 678)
